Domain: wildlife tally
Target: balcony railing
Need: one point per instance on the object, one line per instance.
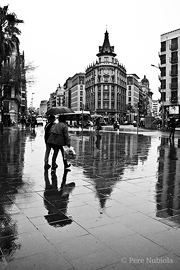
(173, 86)
(173, 59)
(173, 47)
(173, 73)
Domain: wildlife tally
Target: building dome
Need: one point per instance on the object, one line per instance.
(145, 81)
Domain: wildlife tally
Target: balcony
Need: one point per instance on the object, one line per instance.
(173, 73)
(173, 86)
(173, 60)
(173, 47)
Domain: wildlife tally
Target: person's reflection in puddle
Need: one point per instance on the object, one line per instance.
(172, 151)
(56, 200)
(98, 139)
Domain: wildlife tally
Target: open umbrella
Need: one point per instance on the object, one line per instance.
(59, 110)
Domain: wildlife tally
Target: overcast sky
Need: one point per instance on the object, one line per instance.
(62, 37)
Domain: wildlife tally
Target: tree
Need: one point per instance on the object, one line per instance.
(8, 33)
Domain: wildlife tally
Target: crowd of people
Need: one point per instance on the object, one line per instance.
(28, 122)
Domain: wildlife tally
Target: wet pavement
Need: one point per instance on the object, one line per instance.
(118, 207)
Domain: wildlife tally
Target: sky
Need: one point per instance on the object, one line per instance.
(62, 37)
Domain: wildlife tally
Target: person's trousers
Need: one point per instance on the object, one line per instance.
(48, 150)
(55, 154)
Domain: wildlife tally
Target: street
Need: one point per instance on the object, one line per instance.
(119, 207)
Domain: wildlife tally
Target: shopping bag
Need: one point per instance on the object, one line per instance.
(69, 152)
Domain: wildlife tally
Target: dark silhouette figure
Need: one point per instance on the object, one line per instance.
(59, 137)
(98, 139)
(98, 135)
(172, 126)
(56, 200)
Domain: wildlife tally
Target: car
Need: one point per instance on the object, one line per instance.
(39, 120)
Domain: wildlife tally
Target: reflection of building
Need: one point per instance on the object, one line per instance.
(169, 67)
(106, 83)
(168, 184)
(106, 167)
(11, 166)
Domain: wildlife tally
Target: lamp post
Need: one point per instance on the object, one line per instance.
(162, 106)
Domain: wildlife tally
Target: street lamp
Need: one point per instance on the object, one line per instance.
(163, 120)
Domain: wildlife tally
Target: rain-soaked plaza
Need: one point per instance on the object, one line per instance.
(116, 208)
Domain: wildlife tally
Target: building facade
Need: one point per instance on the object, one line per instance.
(132, 97)
(105, 84)
(145, 98)
(14, 94)
(43, 107)
(170, 74)
(56, 98)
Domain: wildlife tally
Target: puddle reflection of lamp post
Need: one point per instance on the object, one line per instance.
(162, 105)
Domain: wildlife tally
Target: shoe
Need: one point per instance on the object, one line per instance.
(47, 166)
(66, 165)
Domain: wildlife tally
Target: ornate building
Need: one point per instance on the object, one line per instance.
(105, 84)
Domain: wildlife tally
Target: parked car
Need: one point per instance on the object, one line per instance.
(39, 120)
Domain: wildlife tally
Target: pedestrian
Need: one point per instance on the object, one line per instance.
(98, 135)
(172, 126)
(98, 124)
(47, 129)
(59, 137)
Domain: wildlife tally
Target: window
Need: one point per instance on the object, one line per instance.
(129, 99)
(174, 95)
(174, 70)
(99, 59)
(105, 79)
(163, 84)
(106, 59)
(174, 57)
(81, 93)
(163, 96)
(174, 44)
(163, 59)
(105, 87)
(129, 87)
(163, 46)
(163, 71)
(129, 93)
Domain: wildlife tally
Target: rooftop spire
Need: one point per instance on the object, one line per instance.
(106, 48)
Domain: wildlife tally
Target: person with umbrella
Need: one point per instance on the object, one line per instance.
(59, 137)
